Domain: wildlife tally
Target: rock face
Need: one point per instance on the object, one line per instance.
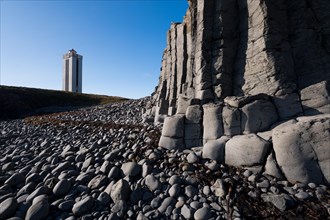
(240, 67)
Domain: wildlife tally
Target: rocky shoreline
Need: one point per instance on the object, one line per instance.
(104, 163)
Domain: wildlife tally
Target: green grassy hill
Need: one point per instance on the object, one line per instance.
(18, 102)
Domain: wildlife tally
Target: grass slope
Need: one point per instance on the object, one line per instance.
(18, 102)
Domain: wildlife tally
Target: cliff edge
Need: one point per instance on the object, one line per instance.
(247, 81)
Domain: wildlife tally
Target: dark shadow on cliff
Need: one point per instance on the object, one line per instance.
(240, 59)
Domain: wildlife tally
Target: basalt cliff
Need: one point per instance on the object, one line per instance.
(247, 82)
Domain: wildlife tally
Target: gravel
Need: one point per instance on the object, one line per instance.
(104, 163)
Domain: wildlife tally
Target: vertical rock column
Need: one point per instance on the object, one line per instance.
(190, 21)
(263, 62)
(212, 122)
(309, 29)
(224, 46)
(172, 69)
(193, 126)
(202, 67)
(181, 46)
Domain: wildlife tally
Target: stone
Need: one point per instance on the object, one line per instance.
(66, 205)
(193, 135)
(28, 188)
(212, 121)
(155, 203)
(218, 188)
(120, 191)
(119, 208)
(83, 206)
(280, 201)
(151, 182)
(15, 179)
(203, 213)
(168, 201)
(186, 212)
(302, 149)
(88, 162)
(231, 118)
(171, 143)
(104, 198)
(183, 104)
(173, 127)
(258, 116)
(62, 166)
(246, 150)
(194, 114)
(8, 208)
(288, 106)
(271, 167)
(37, 192)
(215, 149)
(85, 177)
(175, 179)
(114, 173)
(39, 209)
(98, 181)
(174, 190)
(131, 169)
(106, 167)
(302, 195)
(315, 99)
(61, 188)
(190, 191)
(112, 155)
(192, 158)
(263, 184)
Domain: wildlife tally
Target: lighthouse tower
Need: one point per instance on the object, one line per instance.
(72, 72)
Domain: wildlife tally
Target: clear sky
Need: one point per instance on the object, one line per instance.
(121, 42)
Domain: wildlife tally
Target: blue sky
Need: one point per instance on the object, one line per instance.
(121, 42)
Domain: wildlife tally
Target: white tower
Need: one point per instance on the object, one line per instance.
(72, 72)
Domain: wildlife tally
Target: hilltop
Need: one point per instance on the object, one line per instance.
(18, 102)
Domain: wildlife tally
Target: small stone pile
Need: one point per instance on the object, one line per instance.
(104, 163)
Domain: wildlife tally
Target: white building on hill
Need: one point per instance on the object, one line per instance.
(72, 72)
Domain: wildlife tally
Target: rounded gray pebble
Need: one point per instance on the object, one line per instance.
(202, 214)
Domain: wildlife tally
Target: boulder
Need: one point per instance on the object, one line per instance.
(15, 179)
(302, 149)
(39, 209)
(315, 99)
(183, 103)
(131, 169)
(98, 181)
(193, 128)
(62, 187)
(258, 116)
(215, 149)
(171, 143)
(194, 114)
(174, 126)
(193, 131)
(231, 118)
(120, 191)
(271, 167)
(212, 121)
(83, 206)
(288, 106)
(8, 208)
(246, 150)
